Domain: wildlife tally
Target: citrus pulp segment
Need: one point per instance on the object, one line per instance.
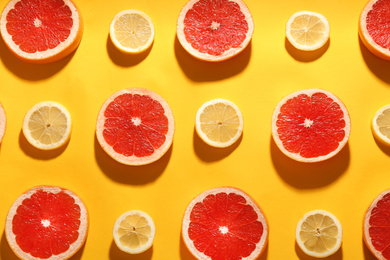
(214, 30)
(311, 125)
(376, 226)
(3, 122)
(380, 125)
(224, 223)
(135, 126)
(307, 31)
(373, 27)
(46, 222)
(132, 31)
(219, 123)
(47, 125)
(319, 234)
(41, 33)
(134, 232)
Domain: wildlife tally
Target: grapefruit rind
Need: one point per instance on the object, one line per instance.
(261, 245)
(376, 129)
(73, 248)
(51, 55)
(3, 122)
(296, 156)
(207, 57)
(133, 160)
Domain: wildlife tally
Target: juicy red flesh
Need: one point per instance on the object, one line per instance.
(231, 31)
(378, 23)
(39, 25)
(135, 125)
(322, 136)
(40, 241)
(231, 211)
(380, 226)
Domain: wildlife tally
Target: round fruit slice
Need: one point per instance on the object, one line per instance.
(374, 28)
(319, 234)
(132, 31)
(376, 226)
(41, 33)
(307, 31)
(47, 125)
(214, 30)
(310, 125)
(135, 126)
(134, 232)
(46, 222)
(224, 223)
(3, 122)
(219, 123)
(380, 125)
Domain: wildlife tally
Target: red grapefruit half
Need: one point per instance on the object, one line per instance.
(214, 30)
(46, 222)
(3, 122)
(376, 226)
(311, 125)
(135, 126)
(224, 223)
(41, 31)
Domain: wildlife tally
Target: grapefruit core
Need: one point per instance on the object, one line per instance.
(41, 33)
(46, 222)
(214, 30)
(135, 126)
(310, 125)
(224, 223)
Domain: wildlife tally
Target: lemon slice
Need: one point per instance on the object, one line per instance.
(132, 31)
(307, 31)
(47, 125)
(134, 232)
(219, 123)
(380, 125)
(319, 234)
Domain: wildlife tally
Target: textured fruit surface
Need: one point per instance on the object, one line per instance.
(380, 125)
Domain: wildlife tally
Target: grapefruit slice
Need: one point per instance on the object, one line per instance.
(46, 222)
(135, 126)
(376, 226)
(134, 232)
(311, 125)
(214, 30)
(374, 30)
(41, 33)
(224, 223)
(3, 122)
(380, 125)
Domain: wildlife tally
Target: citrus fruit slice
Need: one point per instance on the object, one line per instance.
(41, 33)
(214, 30)
(319, 234)
(307, 31)
(47, 125)
(380, 125)
(134, 232)
(310, 125)
(224, 223)
(3, 122)
(135, 126)
(376, 226)
(219, 123)
(374, 27)
(132, 31)
(46, 222)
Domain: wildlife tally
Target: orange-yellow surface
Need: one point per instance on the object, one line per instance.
(269, 69)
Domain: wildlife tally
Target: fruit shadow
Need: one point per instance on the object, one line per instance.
(302, 256)
(124, 59)
(200, 71)
(208, 153)
(39, 154)
(305, 56)
(309, 175)
(367, 253)
(378, 66)
(384, 148)
(30, 71)
(135, 175)
(117, 254)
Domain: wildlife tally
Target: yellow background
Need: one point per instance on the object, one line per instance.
(267, 70)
